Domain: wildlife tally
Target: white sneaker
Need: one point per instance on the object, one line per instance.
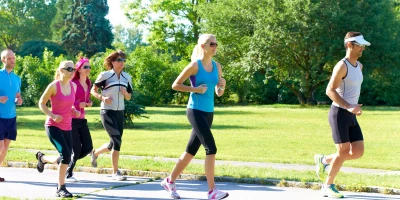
(171, 188)
(71, 179)
(118, 176)
(217, 194)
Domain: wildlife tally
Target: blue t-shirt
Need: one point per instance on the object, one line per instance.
(10, 85)
(203, 102)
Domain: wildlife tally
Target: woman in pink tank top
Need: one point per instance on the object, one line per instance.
(61, 93)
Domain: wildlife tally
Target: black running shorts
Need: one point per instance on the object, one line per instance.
(344, 125)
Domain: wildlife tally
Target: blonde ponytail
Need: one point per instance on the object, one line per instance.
(198, 52)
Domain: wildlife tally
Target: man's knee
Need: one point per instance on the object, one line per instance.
(1, 146)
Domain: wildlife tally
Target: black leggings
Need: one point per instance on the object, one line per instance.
(201, 132)
(81, 142)
(62, 140)
(113, 122)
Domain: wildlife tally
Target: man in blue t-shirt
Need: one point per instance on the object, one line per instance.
(10, 96)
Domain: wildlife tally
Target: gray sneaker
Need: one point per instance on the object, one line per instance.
(93, 159)
(118, 176)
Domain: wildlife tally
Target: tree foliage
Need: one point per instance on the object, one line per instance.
(25, 20)
(37, 47)
(127, 38)
(86, 29)
(173, 24)
(298, 42)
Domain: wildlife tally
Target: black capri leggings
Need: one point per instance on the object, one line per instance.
(81, 142)
(62, 140)
(113, 122)
(201, 132)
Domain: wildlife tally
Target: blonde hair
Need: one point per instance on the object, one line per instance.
(198, 52)
(57, 76)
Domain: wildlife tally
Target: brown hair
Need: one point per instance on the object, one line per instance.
(349, 35)
(113, 57)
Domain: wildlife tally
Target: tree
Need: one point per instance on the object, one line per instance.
(297, 42)
(58, 24)
(35, 48)
(127, 38)
(25, 20)
(173, 24)
(86, 29)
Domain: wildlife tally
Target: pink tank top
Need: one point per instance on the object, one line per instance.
(62, 105)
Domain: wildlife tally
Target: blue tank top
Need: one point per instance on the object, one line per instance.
(203, 102)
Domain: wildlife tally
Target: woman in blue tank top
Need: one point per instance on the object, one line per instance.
(205, 77)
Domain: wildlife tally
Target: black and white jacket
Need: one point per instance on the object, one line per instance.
(110, 85)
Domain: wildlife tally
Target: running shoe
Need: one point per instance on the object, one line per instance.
(331, 192)
(170, 187)
(320, 168)
(63, 192)
(217, 194)
(118, 176)
(71, 179)
(40, 164)
(93, 159)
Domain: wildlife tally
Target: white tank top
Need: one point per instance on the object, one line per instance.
(350, 86)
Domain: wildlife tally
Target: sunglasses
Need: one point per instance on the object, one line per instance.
(69, 69)
(360, 45)
(213, 44)
(120, 60)
(86, 67)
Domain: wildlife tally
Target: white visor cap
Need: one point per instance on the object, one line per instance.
(359, 39)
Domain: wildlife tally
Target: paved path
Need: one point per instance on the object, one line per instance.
(28, 183)
(249, 164)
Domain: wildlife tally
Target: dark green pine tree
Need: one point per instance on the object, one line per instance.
(86, 28)
(59, 23)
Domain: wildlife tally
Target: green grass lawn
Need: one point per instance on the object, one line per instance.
(274, 133)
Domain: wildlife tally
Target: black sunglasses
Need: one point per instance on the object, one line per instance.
(86, 67)
(69, 69)
(120, 60)
(213, 44)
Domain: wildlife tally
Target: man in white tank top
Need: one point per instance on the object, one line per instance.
(344, 90)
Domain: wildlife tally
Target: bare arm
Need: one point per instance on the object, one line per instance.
(220, 87)
(50, 91)
(339, 72)
(189, 70)
(95, 93)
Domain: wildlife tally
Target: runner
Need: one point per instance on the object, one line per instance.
(344, 90)
(10, 95)
(115, 85)
(206, 77)
(61, 93)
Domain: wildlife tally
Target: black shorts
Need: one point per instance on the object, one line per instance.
(344, 125)
(8, 128)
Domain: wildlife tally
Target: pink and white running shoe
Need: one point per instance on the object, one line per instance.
(170, 187)
(217, 194)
